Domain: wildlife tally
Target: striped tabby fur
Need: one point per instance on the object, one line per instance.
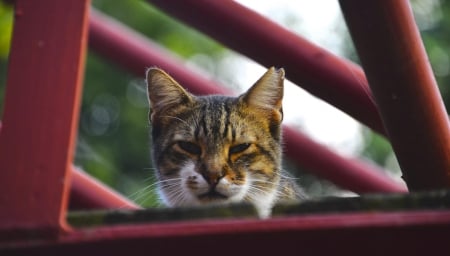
(217, 149)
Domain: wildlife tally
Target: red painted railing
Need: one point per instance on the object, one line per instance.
(89, 193)
(404, 87)
(41, 113)
(40, 119)
(133, 52)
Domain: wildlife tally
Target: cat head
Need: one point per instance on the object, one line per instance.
(217, 149)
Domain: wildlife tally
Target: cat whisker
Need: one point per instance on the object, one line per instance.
(263, 190)
(150, 186)
(256, 192)
(136, 196)
(149, 179)
(140, 195)
(177, 195)
(253, 181)
(288, 177)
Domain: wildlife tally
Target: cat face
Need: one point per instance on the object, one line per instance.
(217, 149)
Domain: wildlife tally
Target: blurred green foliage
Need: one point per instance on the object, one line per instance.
(6, 22)
(113, 139)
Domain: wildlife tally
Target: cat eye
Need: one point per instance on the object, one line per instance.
(239, 148)
(190, 147)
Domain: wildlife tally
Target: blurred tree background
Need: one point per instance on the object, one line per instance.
(113, 139)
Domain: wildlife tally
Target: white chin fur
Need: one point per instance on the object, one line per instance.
(236, 193)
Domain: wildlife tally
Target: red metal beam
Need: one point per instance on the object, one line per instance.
(40, 118)
(133, 52)
(88, 193)
(396, 233)
(106, 36)
(333, 79)
(352, 174)
(393, 56)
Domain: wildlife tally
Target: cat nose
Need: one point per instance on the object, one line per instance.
(213, 177)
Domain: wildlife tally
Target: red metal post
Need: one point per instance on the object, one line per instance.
(133, 52)
(41, 114)
(333, 79)
(393, 56)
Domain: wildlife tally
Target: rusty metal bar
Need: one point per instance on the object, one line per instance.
(40, 120)
(394, 59)
(333, 79)
(133, 52)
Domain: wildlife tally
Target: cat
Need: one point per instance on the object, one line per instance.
(217, 149)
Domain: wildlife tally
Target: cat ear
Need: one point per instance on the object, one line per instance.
(164, 93)
(267, 93)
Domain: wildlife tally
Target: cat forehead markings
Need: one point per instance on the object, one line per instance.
(217, 120)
